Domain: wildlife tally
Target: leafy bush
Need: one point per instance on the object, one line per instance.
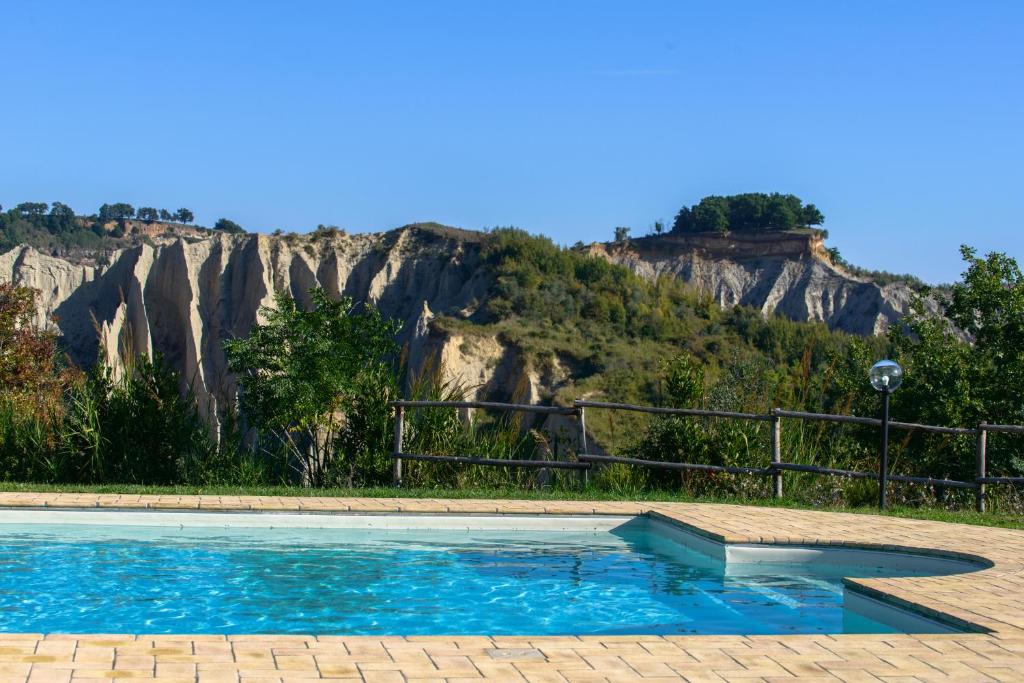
(229, 226)
(132, 426)
(303, 371)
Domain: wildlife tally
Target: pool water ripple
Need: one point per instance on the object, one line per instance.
(359, 582)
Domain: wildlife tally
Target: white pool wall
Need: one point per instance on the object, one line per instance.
(766, 553)
(299, 520)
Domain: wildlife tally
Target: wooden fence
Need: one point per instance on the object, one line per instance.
(775, 469)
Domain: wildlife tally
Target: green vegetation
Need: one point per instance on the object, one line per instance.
(749, 212)
(49, 227)
(316, 377)
(115, 212)
(880, 277)
(130, 426)
(611, 331)
(122, 211)
(626, 339)
(229, 226)
(949, 382)
(56, 227)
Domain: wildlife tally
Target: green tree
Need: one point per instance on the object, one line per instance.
(228, 226)
(61, 219)
(166, 215)
(31, 211)
(621, 234)
(748, 212)
(148, 214)
(115, 212)
(988, 304)
(779, 214)
(811, 215)
(949, 380)
(711, 215)
(184, 216)
(301, 371)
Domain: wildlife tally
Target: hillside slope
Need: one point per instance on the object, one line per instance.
(184, 297)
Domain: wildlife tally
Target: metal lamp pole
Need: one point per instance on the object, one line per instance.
(886, 376)
(883, 465)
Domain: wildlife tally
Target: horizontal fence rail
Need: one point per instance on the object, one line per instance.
(692, 412)
(928, 481)
(831, 471)
(486, 405)
(674, 465)
(497, 462)
(1008, 429)
(1000, 480)
(585, 461)
(874, 422)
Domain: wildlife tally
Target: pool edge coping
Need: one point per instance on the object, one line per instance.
(897, 592)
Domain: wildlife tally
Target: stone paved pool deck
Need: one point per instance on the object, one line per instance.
(989, 601)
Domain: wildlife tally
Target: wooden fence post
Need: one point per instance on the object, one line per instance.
(777, 451)
(980, 457)
(396, 467)
(585, 473)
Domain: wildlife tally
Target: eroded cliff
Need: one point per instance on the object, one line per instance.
(183, 298)
(785, 274)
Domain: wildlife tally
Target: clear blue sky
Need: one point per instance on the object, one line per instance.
(903, 122)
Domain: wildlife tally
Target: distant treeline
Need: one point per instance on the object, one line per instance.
(59, 217)
(122, 211)
(57, 225)
(748, 212)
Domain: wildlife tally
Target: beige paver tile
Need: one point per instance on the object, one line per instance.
(383, 677)
(14, 669)
(49, 676)
(110, 673)
(546, 676)
(217, 676)
(175, 670)
(339, 670)
(85, 653)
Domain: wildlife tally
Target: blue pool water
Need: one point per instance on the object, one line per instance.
(111, 579)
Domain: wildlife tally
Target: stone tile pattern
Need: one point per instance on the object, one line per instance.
(990, 600)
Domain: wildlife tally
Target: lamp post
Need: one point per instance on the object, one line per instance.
(886, 376)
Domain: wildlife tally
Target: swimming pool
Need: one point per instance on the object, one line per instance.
(108, 572)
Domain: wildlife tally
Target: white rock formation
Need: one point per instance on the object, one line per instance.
(183, 298)
(789, 275)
